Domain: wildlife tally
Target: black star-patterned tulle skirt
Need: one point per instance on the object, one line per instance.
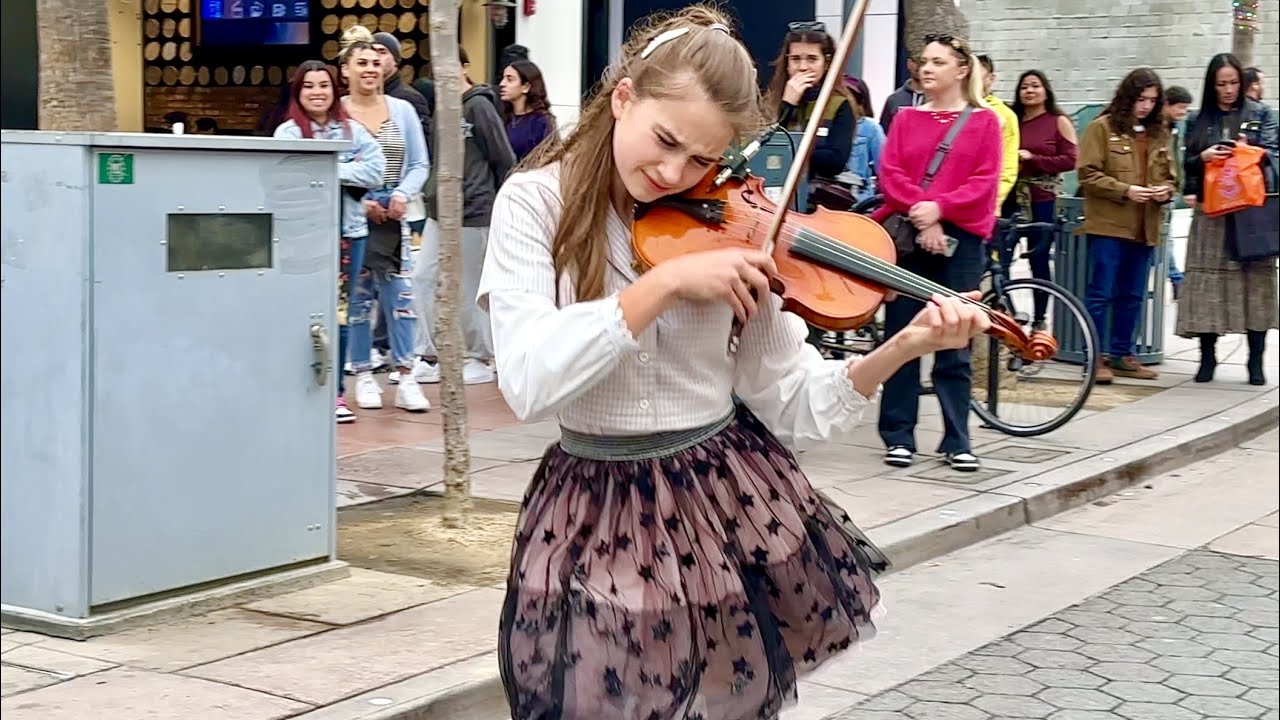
(694, 586)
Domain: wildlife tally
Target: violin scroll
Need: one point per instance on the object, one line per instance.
(1037, 347)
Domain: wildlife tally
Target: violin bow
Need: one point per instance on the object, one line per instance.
(835, 74)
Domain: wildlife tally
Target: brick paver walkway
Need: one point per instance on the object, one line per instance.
(1192, 639)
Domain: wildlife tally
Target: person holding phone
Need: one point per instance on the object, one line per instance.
(1220, 296)
(1126, 173)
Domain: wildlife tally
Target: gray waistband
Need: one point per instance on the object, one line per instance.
(638, 447)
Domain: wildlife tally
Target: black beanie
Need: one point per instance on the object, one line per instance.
(388, 41)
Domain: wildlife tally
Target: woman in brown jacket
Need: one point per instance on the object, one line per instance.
(1126, 173)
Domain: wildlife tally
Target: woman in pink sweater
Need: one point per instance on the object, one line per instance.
(954, 212)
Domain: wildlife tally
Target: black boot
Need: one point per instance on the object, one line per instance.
(1208, 361)
(1257, 343)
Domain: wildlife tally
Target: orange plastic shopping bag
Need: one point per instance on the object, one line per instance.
(1236, 182)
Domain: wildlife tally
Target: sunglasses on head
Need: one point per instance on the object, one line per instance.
(807, 26)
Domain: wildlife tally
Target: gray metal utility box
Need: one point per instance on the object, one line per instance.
(168, 381)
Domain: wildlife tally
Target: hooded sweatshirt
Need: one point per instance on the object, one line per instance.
(488, 154)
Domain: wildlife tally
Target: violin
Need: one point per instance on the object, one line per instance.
(834, 267)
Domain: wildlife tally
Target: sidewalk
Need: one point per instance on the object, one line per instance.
(393, 645)
(1194, 637)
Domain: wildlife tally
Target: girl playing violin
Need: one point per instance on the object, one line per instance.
(670, 560)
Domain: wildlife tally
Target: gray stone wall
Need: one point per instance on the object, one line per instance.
(1086, 47)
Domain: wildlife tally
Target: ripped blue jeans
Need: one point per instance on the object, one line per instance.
(394, 295)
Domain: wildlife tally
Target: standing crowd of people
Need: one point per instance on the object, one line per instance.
(1008, 160)
(389, 245)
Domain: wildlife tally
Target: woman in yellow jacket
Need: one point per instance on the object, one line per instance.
(1126, 173)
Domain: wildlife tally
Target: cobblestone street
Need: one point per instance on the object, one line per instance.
(1192, 639)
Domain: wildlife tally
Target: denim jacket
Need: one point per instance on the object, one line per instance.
(417, 164)
(867, 142)
(361, 167)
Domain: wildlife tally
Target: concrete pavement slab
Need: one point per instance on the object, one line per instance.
(1255, 540)
(365, 595)
(14, 679)
(879, 501)
(500, 445)
(59, 664)
(123, 694)
(468, 688)
(334, 665)
(1185, 508)
(508, 481)
(172, 646)
(404, 467)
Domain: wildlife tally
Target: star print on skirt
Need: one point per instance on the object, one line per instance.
(691, 587)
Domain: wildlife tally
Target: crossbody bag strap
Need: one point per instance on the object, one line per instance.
(945, 147)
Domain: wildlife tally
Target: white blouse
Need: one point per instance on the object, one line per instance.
(578, 361)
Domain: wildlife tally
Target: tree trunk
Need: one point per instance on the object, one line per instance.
(1244, 28)
(931, 16)
(447, 165)
(76, 90)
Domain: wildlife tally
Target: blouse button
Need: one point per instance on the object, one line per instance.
(644, 404)
(644, 357)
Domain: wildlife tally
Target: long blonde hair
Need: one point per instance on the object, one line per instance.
(973, 93)
(704, 58)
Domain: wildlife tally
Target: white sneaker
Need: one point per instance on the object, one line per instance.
(377, 359)
(409, 396)
(368, 392)
(475, 372)
(425, 372)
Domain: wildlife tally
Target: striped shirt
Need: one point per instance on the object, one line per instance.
(578, 361)
(392, 142)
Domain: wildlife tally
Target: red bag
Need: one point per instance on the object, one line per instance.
(1236, 182)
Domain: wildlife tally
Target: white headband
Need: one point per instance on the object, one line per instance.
(675, 33)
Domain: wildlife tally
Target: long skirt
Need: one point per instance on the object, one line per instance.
(695, 586)
(1219, 295)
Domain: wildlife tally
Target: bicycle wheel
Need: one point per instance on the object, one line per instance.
(1025, 398)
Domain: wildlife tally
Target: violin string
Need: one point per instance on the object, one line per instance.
(877, 267)
(790, 234)
(864, 259)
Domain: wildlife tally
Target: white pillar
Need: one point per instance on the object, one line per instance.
(880, 51)
(831, 14)
(553, 35)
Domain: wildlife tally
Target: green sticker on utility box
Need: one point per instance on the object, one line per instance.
(115, 168)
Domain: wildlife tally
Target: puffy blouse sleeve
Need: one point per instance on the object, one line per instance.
(801, 396)
(546, 355)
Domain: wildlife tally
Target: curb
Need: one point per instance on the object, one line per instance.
(471, 689)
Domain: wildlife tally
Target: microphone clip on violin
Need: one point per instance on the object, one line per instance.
(736, 161)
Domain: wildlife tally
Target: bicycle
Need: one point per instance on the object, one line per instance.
(1003, 373)
(999, 375)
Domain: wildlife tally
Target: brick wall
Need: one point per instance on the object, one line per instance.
(1086, 48)
(235, 108)
(1266, 51)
